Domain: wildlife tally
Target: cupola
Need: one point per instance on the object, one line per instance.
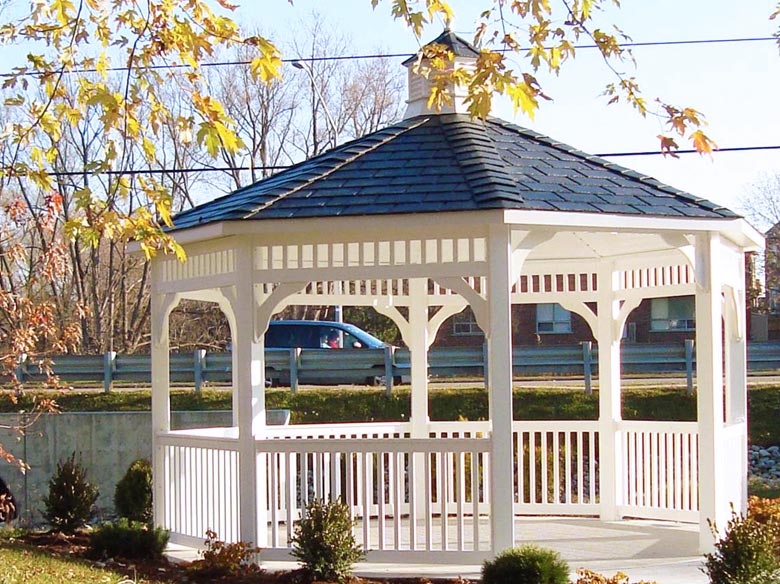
(465, 56)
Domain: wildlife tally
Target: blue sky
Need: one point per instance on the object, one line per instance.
(736, 85)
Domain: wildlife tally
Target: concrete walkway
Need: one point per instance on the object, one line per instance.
(659, 551)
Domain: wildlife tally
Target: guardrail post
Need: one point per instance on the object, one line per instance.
(295, 357)
(689, 365)
(21, 367)
(109, 367)
(485, 363)
(198, 365)
(389, 360)
(587, 365)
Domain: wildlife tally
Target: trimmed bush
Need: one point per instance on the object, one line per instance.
(132, 540)
(746, 554)
(527, 564)
(221, 559)
(133, 494)
(323, 541)
(71, 497)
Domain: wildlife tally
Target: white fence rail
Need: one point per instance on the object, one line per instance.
(200, 483)
(407, 495)
(661, 463)
(422, 498)
(556, 467)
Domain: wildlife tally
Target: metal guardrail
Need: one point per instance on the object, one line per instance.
(292, 365)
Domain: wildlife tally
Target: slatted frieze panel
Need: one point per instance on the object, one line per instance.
(656, 277)
(370, 253)
(550, 282)
(199, 265)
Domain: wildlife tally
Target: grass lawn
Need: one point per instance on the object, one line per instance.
(28, 565)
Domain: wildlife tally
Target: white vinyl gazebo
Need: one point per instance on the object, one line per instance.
(420, 220)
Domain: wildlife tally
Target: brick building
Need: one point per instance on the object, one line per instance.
(658, 320)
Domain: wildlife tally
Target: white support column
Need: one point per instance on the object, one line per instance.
(736, 438)
(250, 388)
(499, 338)
(610, 415)
(418, 352)
(713, 505)
(161, 403)
(736, 348)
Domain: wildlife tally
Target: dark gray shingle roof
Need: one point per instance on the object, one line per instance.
(458, 46)
(450, 162)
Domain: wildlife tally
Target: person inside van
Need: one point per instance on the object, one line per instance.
(330, 340)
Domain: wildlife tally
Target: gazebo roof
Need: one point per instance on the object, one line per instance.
(450, 162)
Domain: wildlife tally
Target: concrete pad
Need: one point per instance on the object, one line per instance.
(660, 551)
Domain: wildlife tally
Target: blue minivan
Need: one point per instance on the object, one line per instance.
(348, 364)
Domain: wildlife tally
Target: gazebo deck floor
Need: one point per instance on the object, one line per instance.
(661, 551)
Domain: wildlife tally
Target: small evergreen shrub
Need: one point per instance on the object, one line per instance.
(746, 554)
(71, 497)
(133, 494)
(222, 559)
(132, 540)
(323, 541)
(527, 564)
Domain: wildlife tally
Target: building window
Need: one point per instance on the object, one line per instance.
(552, 318)
(464, 324)
(673, 314)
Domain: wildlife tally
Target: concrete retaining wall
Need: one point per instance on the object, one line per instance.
(106, 443)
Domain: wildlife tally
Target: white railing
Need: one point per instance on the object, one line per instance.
(420, 497)
(407, 495)
(661, 470)
(385, 430)
(556, 467)
(200, 483)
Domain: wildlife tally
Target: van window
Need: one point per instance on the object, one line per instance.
(290, 336)
(332, 337)
(311, 336)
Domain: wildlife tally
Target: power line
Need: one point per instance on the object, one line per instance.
(395, 55)
(686, 151)
(159, 171)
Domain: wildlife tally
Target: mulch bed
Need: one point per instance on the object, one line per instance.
(164, 570)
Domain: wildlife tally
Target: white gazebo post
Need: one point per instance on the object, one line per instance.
(499, 339)
(709, 382)
(161, 306)
(608, 339)
(735, 350)
(418, 352)
(249, 384)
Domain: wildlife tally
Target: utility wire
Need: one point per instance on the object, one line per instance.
(656, 153)
(158, 171)
(396, 55)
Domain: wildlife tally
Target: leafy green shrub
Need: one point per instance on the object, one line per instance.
(127, 539)
(323, 541)
(225, 559)
(527, 564)
(746, 554)
(71, 497)
(133, 494)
